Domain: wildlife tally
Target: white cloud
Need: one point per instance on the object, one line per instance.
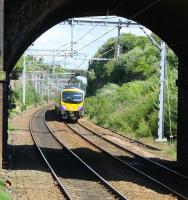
(52, 38)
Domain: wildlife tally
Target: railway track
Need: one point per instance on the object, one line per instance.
(151, 149)
(159, 174)
(75, 178)
(122, 137)
(137, 156)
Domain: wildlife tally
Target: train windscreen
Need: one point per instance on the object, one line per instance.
(72, 97)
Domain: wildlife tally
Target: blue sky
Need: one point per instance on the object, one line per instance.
(60, 34)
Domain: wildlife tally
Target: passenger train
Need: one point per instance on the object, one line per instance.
(70, 103)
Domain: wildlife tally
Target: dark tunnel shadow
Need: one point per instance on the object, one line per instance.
(26, 157)
(52, 116)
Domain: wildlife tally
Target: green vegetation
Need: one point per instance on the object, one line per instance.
(123, 94)
(15, 98)
(138, 61)
(172, 152)
(35, 64)
(11, 127)
(3, 195)
(32, 98)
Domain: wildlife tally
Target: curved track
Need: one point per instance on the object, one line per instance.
(75, 178)
(159, 174)
(136, 156)
(125, 138)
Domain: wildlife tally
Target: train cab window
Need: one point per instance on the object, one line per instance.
(72, 97)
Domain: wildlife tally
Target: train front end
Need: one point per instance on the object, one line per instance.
(72, 104)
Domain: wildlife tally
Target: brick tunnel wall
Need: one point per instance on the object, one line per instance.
(26, 20)
(23, 19)
(1, 69)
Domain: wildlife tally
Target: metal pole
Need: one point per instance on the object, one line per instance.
(39, 85)
(42, 87)
(23, 83)
(152, 40)
(161, 137)
(162, 49)
(71, 37)
(48, 87)
(37, 80)
(118, 41)
(48, 91)
(53, 61)
(35, 75)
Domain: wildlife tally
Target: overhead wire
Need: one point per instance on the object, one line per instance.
(97, 25)
(98, 56)
(136, 14)
(93, 42)
(116, 7)
(144, 9)
(63, 45)
(90, 30)
(80, 64)
(106, 52)
(106, 17)
(96, 39)
(83, 36)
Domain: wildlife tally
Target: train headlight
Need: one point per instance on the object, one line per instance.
(80, 108)
(63, 107)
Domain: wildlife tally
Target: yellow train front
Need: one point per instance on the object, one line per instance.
(71, 105)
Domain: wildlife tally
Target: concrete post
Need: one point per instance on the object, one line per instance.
(182, 136)
(24, 84)
(48, 91)
(161, 137)
(72, 37)
(118, 41)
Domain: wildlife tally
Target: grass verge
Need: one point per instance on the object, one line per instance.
(3, 195)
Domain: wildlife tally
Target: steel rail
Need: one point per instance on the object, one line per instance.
(110, 187)
(135, 154)
(62, 188)
(131, 139)
(132, 167)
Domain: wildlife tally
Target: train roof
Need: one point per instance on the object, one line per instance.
(72, 89)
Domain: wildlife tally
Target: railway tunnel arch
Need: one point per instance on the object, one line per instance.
(27, 20)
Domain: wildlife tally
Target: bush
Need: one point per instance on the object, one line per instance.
(143, 129)
(131, 104)
(133, 107)
(15, 98)
(3, 194)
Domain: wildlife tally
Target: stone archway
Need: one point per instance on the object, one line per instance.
(27, 20)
